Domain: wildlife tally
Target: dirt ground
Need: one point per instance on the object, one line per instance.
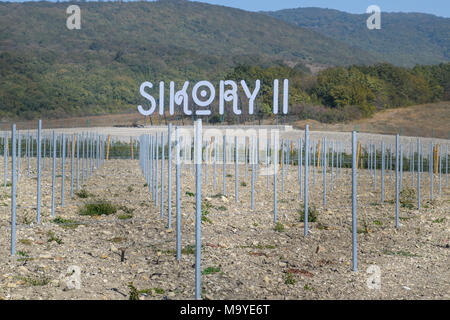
(243, 255)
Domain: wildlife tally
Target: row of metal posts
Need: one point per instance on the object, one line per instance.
(150, 156)
(93, 147)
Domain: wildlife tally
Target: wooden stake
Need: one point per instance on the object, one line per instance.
(131, 145)
(107, 147)
(318, 156)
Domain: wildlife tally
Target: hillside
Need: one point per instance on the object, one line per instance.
(405, 39)
(46, 68)
(426, 120)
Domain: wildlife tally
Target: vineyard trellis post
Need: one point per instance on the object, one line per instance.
(305, 201)
(13, 191)
(354, 204)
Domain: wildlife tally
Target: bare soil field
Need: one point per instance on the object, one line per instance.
(427, 120)
(244, 254)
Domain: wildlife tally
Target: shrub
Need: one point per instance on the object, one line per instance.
(312, 214)
(408, 198)
(82, 194)
(279, 227)
(97, 209)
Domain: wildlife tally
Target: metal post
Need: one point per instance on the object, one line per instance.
(236, 169)
(283, 163)
(78, 161)
(162, 175)
(19, 156)
(13, 191)
(224, 167)
(332, 166)
(156, 169)
(169, 177)
(430, 169)
(214, 163)
(375, 167)
(5, 159)
(300, 165)
(354, 204)
(198, 204)
(275, 169)
(54, 174)
(28, 152)
(38, 207)
(306, 180)
(253, 165)
(401, 168)
(382, 172)
(418, 173)
(71, 165)
(63, 166)
(178, 191)
(83, 159)
(324, 169)
(397, 225)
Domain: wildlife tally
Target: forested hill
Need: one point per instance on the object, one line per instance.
(405, 39)
(51, 71)
(45, 67)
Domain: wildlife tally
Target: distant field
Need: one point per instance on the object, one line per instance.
(428, 120)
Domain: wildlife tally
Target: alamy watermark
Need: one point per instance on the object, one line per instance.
(374, 21)
(374, 281)
(74, 20)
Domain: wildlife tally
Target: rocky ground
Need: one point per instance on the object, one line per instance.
(244, 254)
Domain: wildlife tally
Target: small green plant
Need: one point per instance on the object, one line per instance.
(243, 184)
(145, 184)
(378, 222)
(229, 175)
(307, 288)
(118, 239)
(312, 214)
(130, 189)
(289, 279)
(399, 253)
(206, 205)
(210, 270)
(125, 216)
(97, 209)
(279, 227)
(26, 242)
(66, 223)
(365, 229)
(34, 281)
(133, 293)
(52, 237)
(150, 291)
(408, 197)
(83, 194)
(22, 253)
(190, 194)
(222, 208)
(159, 290)
(27, 219)
(255, 224)
(126, 209)
(5, 196)
(439, 220)
(189, 249)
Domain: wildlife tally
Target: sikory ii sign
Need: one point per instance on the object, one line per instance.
(204, 93)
